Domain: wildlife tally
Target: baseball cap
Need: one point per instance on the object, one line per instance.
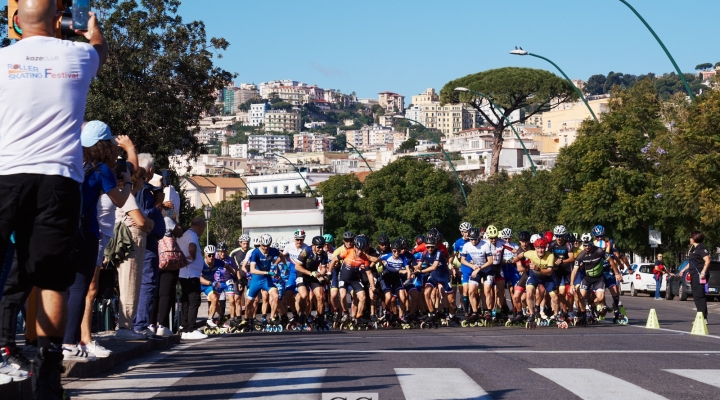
(95, 131)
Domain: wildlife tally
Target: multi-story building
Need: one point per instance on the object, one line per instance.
(242, 117)
(245, 92)
(202, 190)
(238, 150)
(257, 113)
(266, 88)
(212, 129)
(413, 113)
(370, 136)
(428, 97)
(285, 183)
(561, 123)
(449, 119)
(229, 100)
(269, 143)
(311, 142)
(392, 102)
(207, 164)
(282, 121)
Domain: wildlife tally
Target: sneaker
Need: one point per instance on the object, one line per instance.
(127, 334)
(152, 328)
(211, 324)
(5, 379)
(14, 357)
(77, 353)
(164, 332)
(99, 351)
(8, 371)
(194, 335)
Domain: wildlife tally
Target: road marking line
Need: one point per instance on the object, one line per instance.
(707, 376)
(502, 351)
(591, 384)
(677, 331)
(148, 361)
(283, 384)
(131, 385)
(438, 383)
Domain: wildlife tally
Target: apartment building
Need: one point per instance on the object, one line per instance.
(282, 121)
(392, 102)
(257, 113)
(449, 119)
(269, 143)
(561, 123)
(311, 142)
(238, 150)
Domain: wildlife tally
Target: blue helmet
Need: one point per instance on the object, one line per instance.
(598, 230)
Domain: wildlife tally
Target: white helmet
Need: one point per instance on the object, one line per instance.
(265, 239)
(465, 226)
(299, 234)
(506, 233)
(282, 245)
(256, 242)
(209, 249)
(586, 238)
(559, 231)
(534, 237)
(244, 238)
(485, 237)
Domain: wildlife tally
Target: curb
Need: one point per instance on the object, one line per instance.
(122, 351)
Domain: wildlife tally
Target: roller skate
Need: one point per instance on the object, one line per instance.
(486, 319)
(470, 321)
(211, 328)
(430, 321)
(244, 326)
(293, 323)
(335, 320)
(590, 317)
(321, 324)
(260, 325)
(543, 320)
(345, 322)
(602, 311)
(455, 320)
(531, 323)
(517, 320)
(562, 321)
(581, 320)
(622, 309)
(619, 318)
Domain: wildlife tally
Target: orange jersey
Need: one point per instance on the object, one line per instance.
(354, 259)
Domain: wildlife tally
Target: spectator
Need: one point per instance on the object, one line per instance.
(151, 264)
(699, 261)
(41, 159)
(167, 280)
(99, 158)
(659, 272)
(16, 365)
(190, 279)
(130, 270)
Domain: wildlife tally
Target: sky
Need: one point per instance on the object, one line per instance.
(403, 46)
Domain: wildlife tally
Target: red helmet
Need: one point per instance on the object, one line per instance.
(540, 243)
(548, 236)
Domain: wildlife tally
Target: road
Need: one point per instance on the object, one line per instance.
(603, 361)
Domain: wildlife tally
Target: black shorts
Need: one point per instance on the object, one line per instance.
(308, 282)
(43, 211)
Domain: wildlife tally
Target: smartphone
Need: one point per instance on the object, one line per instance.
(165, 178)
(120, 169)
(80, 9)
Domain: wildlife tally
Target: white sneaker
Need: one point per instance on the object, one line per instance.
(211, 324)
(194, 335)
(77, 353)
(127, 334)
(99, 351)
(164, 332)
(152, 329)
(7, 371)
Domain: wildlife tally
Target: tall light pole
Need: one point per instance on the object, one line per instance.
(360, 154)
(247, 189)
(208, 213)
(296, 170)
(672, 60)
(527, 153)
(447, 157)
(521, 52)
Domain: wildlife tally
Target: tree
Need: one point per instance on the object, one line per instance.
(595, 85)
(703, 66)
(408, 145)
(340, 142)
(159, 77)
(512, 89)
(341, 200)
(717, 64)
(225, 225)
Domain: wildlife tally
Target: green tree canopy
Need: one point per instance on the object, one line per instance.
(512, 89)
(703, 66)
(341, 199)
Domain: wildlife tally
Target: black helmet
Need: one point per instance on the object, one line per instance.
(436, 233)
(318, 241)
(395, 244)
(474, 233)
(361, 242)
(404, 244)
(419, 239)
(221, 246)
(383, 239)
(349, 235)
(570, 237)
(431, 241)
(524, 236)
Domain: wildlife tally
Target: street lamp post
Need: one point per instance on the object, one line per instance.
(672, 60)
(447, 157)
(247, 189)
(527, 153)
(360, 154)
(521, 52)
(296, 170)
(208, 213)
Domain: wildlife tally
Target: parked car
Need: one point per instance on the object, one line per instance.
(684, 290)
(641, 279)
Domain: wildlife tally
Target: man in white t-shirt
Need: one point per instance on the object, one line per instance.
(189, 278)
(43, 92)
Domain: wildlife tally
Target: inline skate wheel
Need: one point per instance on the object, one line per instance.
(508, 324)
(464, 324)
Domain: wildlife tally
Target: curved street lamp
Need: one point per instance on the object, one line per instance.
(208, 213)
(672, 60)
(532, 164)
(447, 157)
(296, 170)
(521, 52)
(360, 154)
(247, 189)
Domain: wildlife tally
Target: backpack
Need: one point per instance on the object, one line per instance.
(171, 257)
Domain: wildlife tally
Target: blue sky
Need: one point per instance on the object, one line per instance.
(403, 46)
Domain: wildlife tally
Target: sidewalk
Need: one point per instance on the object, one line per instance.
(121, 352)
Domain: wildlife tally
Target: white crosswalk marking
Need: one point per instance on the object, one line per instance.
(283, 385)
(706, 376)
(591, 384)
(438, 383)
(131, 385)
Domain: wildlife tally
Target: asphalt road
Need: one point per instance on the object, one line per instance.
(603, 361)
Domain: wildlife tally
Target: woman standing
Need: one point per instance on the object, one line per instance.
(699, 261)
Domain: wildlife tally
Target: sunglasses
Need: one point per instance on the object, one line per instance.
(299, 240)
(210, 255)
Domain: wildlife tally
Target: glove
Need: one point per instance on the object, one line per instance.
(313, 274)
(271, 273)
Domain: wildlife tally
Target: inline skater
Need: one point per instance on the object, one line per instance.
(472, 257)
(264, 262)
(354, 263)
(339, 304)
(232, 267)
(216, 283)
(391, 282)
(523, 267)
(310, 266)
(291, 253)
(493, 250)
(541, 274)
(509, 268)
(439, 276)
(590, 260)
(564, 261)
(611, 273)
(464, 270)
(241, 278)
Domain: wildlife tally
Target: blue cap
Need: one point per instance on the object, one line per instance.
(95, 131)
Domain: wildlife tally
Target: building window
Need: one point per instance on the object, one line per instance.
(286, 189)
(549, 125)
(297, 189)
(265, 190)
(255, 191)
(275, 189)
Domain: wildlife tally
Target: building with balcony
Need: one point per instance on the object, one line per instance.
(311, 142)
(392, 102)
(282, 121)
(270, 143)
(561, 123)
(257, 113)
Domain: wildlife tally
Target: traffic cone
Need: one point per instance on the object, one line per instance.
(699, 326)
(652, 321)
